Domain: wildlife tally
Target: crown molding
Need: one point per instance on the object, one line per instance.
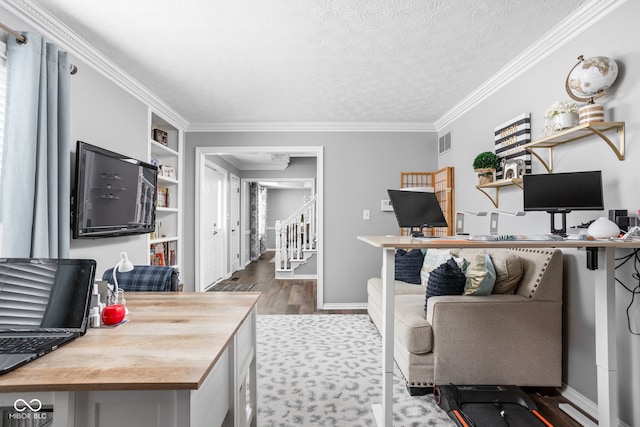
(57, 32)
(50, 27)
(312, 127)
(582, 19)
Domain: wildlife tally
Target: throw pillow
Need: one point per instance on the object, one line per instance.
(447, 279)
(480, 275)
(408, 265)
(509, 271)
(433, 258)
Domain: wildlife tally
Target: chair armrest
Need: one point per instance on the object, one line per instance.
(496, 339)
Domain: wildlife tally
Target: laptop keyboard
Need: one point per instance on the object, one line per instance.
(27, 344)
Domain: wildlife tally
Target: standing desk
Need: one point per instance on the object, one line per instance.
(604, 276)
(181, 360)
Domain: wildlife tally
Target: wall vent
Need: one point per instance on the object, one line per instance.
(444, 143)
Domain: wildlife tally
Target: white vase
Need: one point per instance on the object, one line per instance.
(603, 228)
(564, 121)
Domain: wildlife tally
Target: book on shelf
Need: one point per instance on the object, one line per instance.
(164, 253)
(163, 197)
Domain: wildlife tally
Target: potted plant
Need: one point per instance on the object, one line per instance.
(486, 164)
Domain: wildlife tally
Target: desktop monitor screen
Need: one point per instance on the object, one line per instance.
(416, 209)
(558, 192)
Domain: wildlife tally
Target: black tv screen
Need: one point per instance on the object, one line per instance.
(416, 209)
(114, 194)
(557, 192)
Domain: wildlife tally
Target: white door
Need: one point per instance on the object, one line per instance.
(234, 223)
(212, 226)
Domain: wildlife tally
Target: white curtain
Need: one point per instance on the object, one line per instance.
(36, 173)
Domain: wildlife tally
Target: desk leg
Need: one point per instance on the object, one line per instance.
(606, 354)
(383, 414)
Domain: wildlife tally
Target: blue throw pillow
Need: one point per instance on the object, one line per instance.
(447, 279)
(408, 265)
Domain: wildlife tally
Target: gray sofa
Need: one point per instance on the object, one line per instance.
(509, 339)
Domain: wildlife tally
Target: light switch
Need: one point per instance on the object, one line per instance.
(366, 214)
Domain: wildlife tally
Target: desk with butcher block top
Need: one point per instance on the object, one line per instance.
(604, 277)
(182, 359)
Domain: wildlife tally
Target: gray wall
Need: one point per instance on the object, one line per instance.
(358, 169)
(102, 114)
(534, 92)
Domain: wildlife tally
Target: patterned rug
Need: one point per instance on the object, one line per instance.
(232, 287)
(325, 370)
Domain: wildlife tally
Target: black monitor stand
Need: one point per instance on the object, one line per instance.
(416, 233)
(563, 230)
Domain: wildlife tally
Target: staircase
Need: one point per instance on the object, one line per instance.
(296, 240)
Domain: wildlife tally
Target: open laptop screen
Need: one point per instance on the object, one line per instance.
(45, 294)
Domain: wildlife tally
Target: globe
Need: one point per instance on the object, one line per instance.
(590, 78)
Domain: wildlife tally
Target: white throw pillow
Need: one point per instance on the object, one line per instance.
(432, 260)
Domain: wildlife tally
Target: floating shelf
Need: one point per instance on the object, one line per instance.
(576, 133)
(497, 185)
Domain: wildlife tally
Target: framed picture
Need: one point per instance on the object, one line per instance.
(168, 171)
(160, 136)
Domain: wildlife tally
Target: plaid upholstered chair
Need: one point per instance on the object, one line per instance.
(146, 278)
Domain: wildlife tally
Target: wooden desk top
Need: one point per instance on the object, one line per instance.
(462, 242)
(171, 342)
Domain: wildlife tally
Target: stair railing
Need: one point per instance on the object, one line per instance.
(295, 234)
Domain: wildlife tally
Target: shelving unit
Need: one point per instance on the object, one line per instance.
(548, 143)
(497, 185)
(577, 133)
(165, 244)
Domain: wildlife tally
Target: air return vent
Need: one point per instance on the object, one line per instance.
(444, 143)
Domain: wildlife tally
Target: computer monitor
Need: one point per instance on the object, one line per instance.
(416, 209)
(561, 193)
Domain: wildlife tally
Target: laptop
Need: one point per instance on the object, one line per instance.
(44, 304)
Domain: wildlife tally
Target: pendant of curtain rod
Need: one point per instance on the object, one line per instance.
(22, 40)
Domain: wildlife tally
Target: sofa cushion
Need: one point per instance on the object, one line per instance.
(412, 331)
(509, 268)
(408, 265)
(447, 279)
(480, 275)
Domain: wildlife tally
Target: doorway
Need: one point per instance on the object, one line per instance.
(310, 151)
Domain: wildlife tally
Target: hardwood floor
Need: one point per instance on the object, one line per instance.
(299, 297)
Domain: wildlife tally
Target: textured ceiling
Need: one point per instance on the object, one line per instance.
(292, 61)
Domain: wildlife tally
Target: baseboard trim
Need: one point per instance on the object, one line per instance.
(584, 403)
(300, 277)
(344, 306)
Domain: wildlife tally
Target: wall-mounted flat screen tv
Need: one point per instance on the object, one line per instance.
(114, 194)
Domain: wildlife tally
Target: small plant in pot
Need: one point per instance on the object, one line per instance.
(486, 164)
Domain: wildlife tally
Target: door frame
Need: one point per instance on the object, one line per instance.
(316, 151)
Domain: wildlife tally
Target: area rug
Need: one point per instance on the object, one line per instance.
(325, 370)
(232, 287)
